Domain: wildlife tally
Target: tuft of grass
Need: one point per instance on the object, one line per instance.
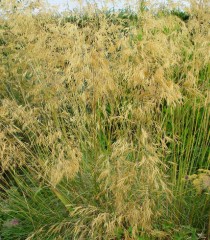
(103, 116)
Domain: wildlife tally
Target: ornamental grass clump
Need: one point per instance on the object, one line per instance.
(90, 111)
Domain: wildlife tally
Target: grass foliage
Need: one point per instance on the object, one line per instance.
(104, 123)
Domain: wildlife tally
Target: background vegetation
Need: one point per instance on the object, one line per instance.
(104, 123)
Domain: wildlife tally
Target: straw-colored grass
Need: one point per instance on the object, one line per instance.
(103, 116)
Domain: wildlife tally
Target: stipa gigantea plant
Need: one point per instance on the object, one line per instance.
(188, 152)
(84, 111)
(189, 124)
(117, 206)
